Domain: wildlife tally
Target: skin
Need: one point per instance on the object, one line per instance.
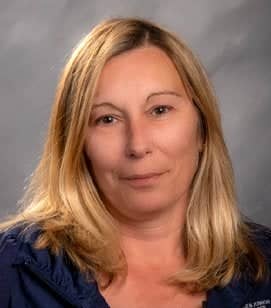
(132, 131)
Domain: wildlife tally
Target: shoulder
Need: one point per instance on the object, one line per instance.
(17, 249)
(39, 276)
(9, 249)
(261, 236)
(14, 244)
(16, 239)
(242, 291)
(10, 241)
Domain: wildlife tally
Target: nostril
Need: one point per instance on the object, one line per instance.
(138, 153)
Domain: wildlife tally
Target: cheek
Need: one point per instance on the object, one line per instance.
(179, 141)
(180, 145)
(181, 149)
(103, 154)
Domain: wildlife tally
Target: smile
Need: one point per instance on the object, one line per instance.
(143, 180)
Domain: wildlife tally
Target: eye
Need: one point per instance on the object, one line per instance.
(106, 120)
(159, 110)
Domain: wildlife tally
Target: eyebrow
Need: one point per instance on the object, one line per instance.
(165, 92)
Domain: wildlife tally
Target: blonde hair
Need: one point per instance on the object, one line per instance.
(63, 200)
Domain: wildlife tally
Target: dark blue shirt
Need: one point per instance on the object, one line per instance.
(36, 278)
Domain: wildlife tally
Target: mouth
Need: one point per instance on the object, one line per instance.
(143, 180)
(142, 176)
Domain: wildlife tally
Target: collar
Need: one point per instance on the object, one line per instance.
(57, 273)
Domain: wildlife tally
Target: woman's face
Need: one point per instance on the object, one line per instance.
(143, 136)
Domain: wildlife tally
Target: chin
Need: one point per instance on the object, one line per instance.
(146, 208)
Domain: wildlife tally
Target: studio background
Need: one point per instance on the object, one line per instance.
(232, 38)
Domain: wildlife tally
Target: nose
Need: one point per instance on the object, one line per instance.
(137, 145)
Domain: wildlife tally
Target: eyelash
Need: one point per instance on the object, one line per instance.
(100, 119)
(162, 106)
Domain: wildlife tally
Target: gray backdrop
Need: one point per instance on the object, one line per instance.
(232, 38)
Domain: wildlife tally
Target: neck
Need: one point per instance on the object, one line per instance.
(154, 241)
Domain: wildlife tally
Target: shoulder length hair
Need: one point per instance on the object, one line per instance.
(63, 200)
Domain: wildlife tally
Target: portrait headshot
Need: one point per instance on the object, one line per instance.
(150, 184)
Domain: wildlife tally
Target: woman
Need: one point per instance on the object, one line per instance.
(133, 201)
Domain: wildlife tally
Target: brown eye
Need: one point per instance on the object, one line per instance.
(159, 110)
(106, 119)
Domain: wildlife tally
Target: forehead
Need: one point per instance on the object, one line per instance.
(139, 70)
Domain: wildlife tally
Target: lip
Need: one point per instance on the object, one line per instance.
(142, 176)
(143, 180)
